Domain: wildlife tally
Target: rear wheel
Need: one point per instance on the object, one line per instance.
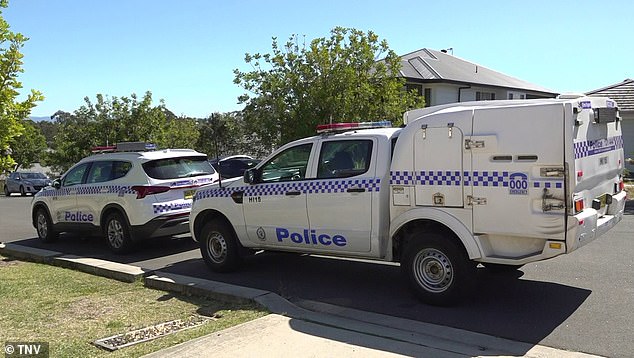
(117, 234)
(6, 190)
(44, 226)
(22, 192)
(219, 247)
(437, 268)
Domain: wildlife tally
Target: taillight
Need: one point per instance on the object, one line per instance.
(144, 190)
(578, 205)
(621, 185)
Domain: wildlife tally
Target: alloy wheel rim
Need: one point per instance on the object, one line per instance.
(42, 227)
(115, 234)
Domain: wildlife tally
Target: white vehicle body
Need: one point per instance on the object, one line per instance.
(506, 182)
(152, 191)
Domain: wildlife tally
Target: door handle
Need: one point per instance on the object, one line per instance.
(356, 190)
(293, 193)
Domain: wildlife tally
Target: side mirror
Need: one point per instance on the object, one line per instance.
(249, 176)
(57, 184)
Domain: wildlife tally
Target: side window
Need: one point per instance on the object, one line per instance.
(289, 165)
(120, 169)
(99, 172)
(75, 175)
(344, 158)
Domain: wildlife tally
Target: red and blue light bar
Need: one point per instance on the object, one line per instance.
(342, 127)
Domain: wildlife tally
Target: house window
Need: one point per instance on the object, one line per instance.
(510, 95)
(418, 89)
(427, 97)
(485, 96)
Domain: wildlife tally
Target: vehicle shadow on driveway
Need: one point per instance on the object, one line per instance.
(504, 305)
(95, 247)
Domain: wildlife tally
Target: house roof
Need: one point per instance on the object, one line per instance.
(622, 93)
(431, 65)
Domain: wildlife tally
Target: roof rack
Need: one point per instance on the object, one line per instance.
(124, 147)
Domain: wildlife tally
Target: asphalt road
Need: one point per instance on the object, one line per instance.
(579, 302)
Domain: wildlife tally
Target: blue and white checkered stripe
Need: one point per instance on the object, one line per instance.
(89, 190)
(438, 177)
(548, 184)
(453, 178)
(591, 147)
(488, 178)
(165, 208)
(401, 178)
(306, 187)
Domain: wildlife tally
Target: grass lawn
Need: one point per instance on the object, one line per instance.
(70, 309)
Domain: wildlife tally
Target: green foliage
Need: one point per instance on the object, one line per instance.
(111, 120)
(351, 76)
(49, 131)
(127, 119)
(29, 147)
(179, 132)
(223, 134)
(12, 112)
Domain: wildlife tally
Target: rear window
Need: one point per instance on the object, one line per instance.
(180, 167)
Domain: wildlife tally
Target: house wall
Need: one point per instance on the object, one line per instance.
(449, 93)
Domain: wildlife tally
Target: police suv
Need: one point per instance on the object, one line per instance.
(127, 192)
(499, 183)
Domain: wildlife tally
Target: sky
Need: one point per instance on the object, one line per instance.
(185, 51)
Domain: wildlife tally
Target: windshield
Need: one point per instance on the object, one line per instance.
(180, 167)
(33, 176)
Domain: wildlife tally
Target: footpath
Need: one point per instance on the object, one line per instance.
(301, 329)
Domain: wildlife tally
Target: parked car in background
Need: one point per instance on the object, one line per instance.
(126, 193)
(25, 183)
(234, 166)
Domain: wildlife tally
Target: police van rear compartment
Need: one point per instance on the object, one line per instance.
(597, 196)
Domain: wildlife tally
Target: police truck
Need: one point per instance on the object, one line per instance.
(497, 184)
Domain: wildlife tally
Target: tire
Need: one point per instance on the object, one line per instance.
(22, 192)
(117, 234)
(6, 191)
(438, 269)
(44, 226)
(219, 247)
(499, 268)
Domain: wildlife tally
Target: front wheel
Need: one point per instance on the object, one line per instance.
(438, 269)
(6, 191)
(22, 192)
(219, 247)
(117, 234)
(44, 226)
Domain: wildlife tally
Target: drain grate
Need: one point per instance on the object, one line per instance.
(149, 333)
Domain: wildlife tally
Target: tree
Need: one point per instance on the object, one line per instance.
(49, 131)
(12, 112)
(29, 147)
(179, 132)
(110, 120)
(351, 76)
(223, 134)
(76, 134)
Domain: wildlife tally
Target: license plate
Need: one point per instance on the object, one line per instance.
(189, 194)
